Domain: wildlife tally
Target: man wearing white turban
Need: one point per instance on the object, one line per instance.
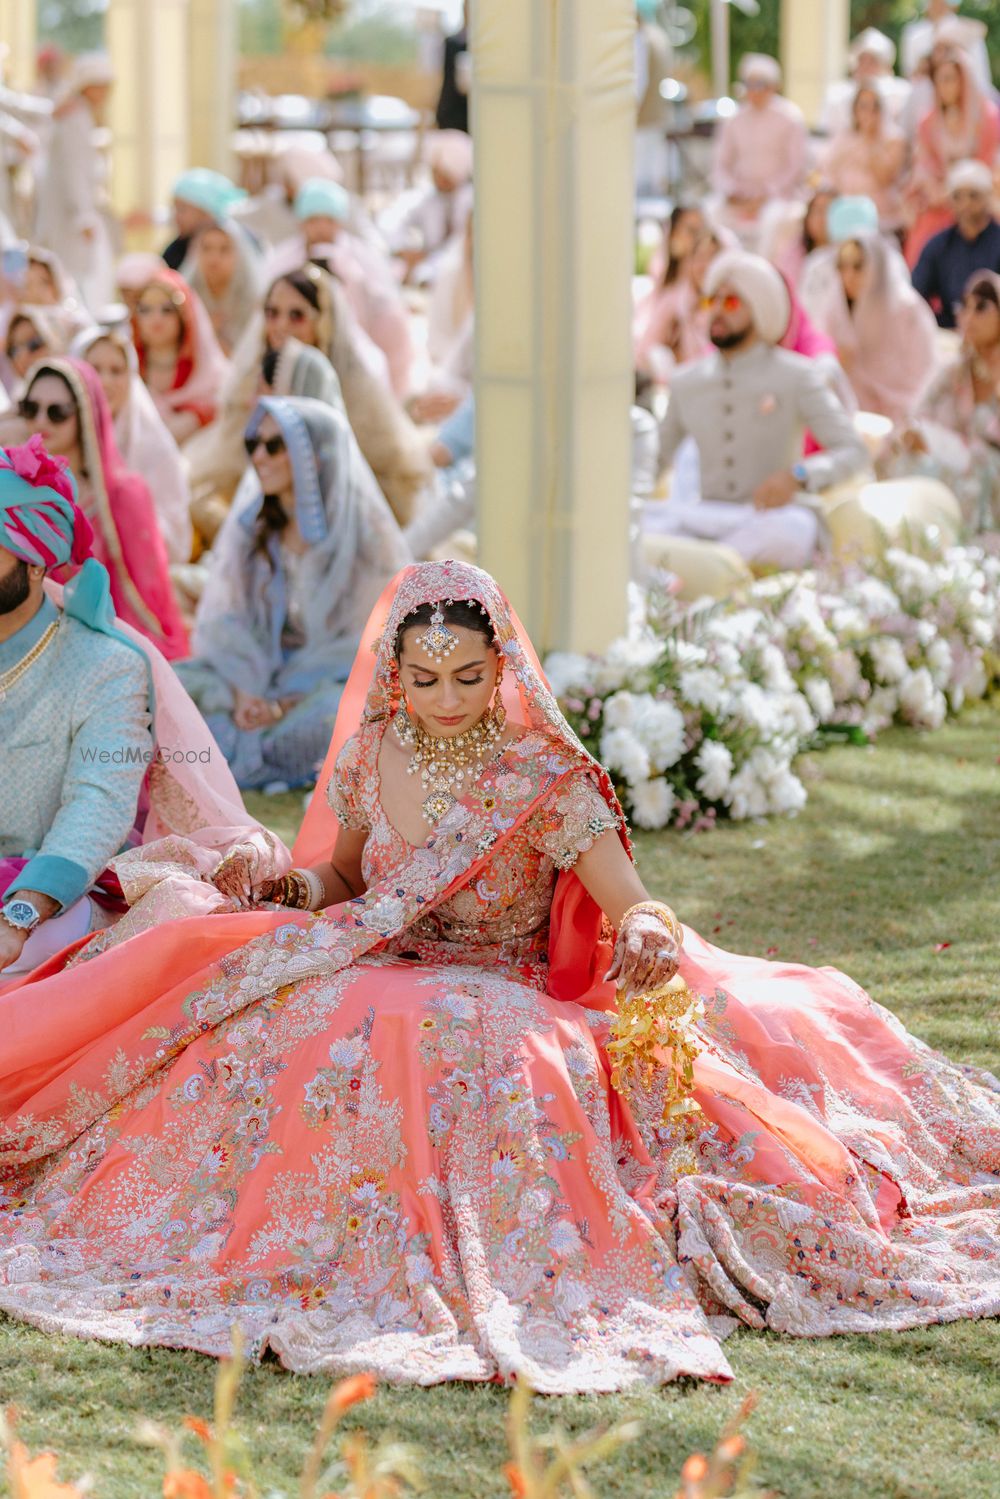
(971, 244)
(748, 407)
(871, 60)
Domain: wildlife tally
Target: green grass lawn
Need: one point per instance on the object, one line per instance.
(897, 852)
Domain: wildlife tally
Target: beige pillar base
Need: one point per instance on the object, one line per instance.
(147, 40)
(19, 30)
(554, 114)
(814, 39)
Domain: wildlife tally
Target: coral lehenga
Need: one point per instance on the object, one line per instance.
(385, 1136)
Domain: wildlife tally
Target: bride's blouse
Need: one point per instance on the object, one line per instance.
(501, 920)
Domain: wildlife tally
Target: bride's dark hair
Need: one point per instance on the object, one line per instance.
(462, 613)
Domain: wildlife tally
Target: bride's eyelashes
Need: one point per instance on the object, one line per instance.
(462, 682)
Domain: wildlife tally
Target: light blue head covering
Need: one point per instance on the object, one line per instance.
(310, 507)
(647, 10)
(210, 191)
(318, 198)
(850, 216)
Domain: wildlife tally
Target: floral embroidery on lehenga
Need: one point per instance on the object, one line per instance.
(376, 1140)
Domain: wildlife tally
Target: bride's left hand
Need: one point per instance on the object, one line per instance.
(233, 878)
(645, 956)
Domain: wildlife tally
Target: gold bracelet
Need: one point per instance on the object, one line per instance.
(663, 912)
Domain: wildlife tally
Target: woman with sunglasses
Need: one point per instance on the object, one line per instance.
(954, 434)
(884, 331)
(65, 405)
(305, 550)
(179, 355)
(143, 439)
(32, 334)
(306, 305)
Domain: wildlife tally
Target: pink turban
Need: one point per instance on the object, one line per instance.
(40, 521)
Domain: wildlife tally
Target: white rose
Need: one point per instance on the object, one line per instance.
(889, 660)
(881, 709)
(619, 710)
(786, 793)
(845, 675)
(774, 668)
(820, 695)
(940, 661)
(715, 766)
(652, 802)
(746, 796)
(569, 674)
(920, 702)
(622, 752)
(703, 688)
(660, 729)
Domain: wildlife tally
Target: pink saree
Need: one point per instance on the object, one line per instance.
(384, 1137)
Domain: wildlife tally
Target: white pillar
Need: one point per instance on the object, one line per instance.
(212, 49)
(147, 40)
(554, 120)
(19, 29)
(815, 35)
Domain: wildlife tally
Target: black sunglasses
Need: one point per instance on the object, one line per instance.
(56, 413)
(272, 445)
(27, 346)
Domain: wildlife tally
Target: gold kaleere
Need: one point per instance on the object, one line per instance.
(653, 1034)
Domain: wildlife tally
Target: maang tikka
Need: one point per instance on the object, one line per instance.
(437, 641)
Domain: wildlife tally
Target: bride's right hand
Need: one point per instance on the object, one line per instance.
(233, 879)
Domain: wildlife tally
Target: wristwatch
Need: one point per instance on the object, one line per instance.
(21, 914)
(800, 474)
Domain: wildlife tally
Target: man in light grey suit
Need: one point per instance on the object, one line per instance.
(748, 406)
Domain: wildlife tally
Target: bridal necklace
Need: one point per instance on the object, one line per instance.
(447, 764)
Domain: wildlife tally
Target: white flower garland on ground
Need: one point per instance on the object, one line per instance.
(702, 715)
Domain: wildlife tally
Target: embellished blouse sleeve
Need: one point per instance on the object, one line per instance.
(570, 820)
(344, 792)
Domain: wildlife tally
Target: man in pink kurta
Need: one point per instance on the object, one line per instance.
(760, 151)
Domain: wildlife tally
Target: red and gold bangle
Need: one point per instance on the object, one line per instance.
(663, 913)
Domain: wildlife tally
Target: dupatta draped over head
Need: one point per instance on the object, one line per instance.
(231, 312)
(202, 367)
(354, 546)
(127, 537)
(146, 445)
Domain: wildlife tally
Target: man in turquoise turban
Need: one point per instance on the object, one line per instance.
(74, 717)
(201, 197)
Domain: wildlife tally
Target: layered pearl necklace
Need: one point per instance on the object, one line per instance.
(447, 765)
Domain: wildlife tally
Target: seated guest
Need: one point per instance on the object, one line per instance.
(324, 211)
(305, 551)
(307, 305)
(748, 406)
(761, 150)
(668, 328)
(422, 222)
(883, 329)
(47, 285)
(866, 157)
(145, 445)
(954, 433)
(65, 406)
(871, 59)
(32, 334)
(223, 268)
(201, 198)
(962, 125)
(70, 694)
(180, 360)
(971, 244)
(919, 38)
(803, 232)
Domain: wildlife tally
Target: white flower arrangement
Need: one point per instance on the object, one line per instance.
(703, 716)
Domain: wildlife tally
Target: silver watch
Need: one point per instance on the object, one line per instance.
(21, 914)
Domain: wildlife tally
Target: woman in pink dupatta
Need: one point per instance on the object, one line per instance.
(180, 358)
(962, 125)
(118, 504)
(884, 331)
(385, 1136)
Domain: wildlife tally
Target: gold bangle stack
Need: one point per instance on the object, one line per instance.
(301, 890)
(663, 913)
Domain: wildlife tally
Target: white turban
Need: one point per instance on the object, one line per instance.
(89, 70)
(759, 284)
(972, 174)
(876, 43)
(757, 65)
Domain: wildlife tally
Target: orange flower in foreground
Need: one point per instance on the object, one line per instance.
(732, 1448)
(695, 1469)
(352, 1391)
(185, 1483)
(515, 1478)
(199, 1427)
(35, 1477)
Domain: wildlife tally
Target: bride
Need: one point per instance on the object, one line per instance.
(385, 1136)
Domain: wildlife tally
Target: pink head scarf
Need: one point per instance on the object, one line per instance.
(202, 367)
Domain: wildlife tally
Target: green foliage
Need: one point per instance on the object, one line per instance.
(260, 31)
(74, 25)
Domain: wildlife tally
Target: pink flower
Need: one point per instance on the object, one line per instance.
(38, 468)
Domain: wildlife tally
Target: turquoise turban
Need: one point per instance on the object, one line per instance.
(850, 216)
(210, 191)
(40, 521)
(318, 198)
